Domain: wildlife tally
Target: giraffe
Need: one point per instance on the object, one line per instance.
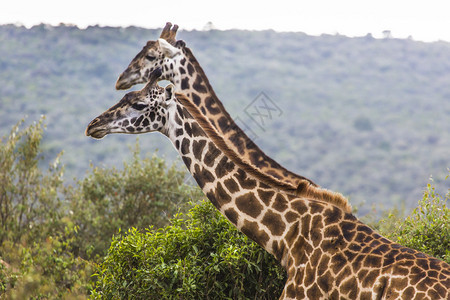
(326, 251)
(180, 66)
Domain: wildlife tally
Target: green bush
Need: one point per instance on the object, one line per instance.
(46, 270)
(426, 229)
(146, 192)
(202, 256)
(51, 236)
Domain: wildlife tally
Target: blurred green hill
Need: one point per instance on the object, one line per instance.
(367, 117)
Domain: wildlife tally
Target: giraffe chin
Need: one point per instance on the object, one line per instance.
(96, 133)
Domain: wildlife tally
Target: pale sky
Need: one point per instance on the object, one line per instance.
(427, 20)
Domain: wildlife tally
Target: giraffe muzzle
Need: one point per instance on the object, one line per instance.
(96, 130)
(127, 79)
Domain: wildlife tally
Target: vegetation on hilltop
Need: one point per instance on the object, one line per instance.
(366, 117)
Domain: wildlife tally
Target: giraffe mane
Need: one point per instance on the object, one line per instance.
(304, 189)
(325, 195)
(202, 73)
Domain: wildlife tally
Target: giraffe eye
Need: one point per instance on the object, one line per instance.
(138, 106)
(150, 57)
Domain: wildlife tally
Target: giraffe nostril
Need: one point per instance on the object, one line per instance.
(92, 124)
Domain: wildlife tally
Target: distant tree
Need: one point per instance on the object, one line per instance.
(36, 234)
(363, 124)
(209, 26)
(29, 198)
(387, 34)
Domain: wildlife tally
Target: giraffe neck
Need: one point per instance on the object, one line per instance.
(251, 205)
(190, 79)
(186, 73)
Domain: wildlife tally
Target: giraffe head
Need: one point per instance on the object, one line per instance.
(155, 54)
(137, 112)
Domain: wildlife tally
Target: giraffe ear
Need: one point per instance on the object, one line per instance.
(170, 92)
(168, 50)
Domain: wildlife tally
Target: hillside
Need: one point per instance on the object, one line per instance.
(362, 116)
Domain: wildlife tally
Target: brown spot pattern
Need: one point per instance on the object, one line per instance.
(249, 204)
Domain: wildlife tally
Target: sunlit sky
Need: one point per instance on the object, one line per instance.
(426, 20)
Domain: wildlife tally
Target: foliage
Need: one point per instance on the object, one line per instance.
(426, 229)
(45, 269)
(35, 234)
(200, 257)
(145, 192)
(52, 235)
(29, 202)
